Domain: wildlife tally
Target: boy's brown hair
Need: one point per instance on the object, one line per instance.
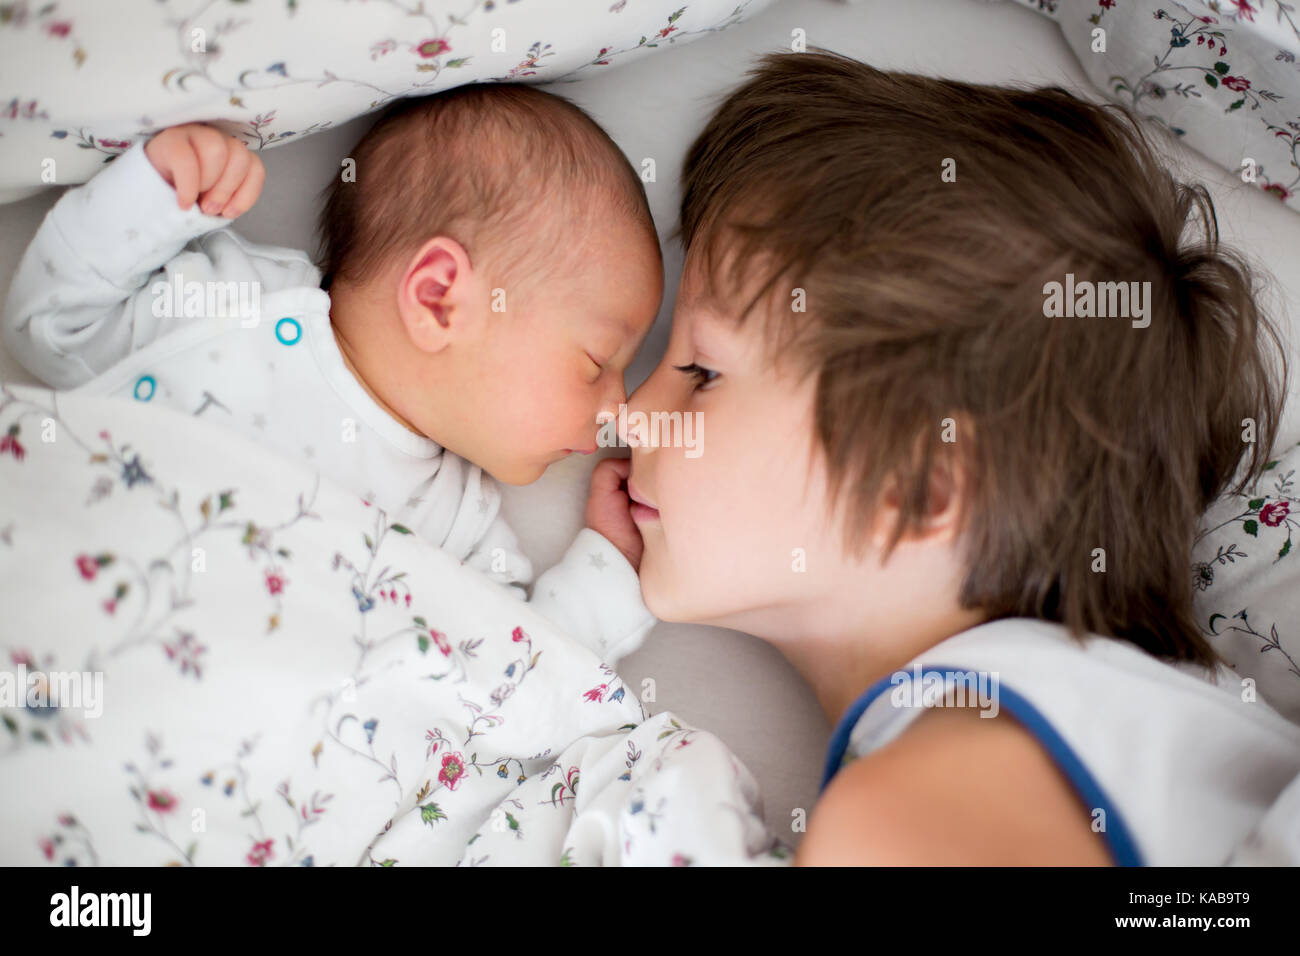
(475, 163)
(925, 302)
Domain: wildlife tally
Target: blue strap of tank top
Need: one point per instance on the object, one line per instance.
(1119, 839)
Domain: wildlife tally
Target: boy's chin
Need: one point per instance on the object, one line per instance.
(658, 595)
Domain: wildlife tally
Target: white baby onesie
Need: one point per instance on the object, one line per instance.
(121, 293)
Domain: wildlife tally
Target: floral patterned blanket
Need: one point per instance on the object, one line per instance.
(212, 656)
(274, 72)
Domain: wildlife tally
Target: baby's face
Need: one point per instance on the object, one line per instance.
(546, 369)
(740, 538)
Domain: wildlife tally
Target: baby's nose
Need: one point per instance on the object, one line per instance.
(629, 433)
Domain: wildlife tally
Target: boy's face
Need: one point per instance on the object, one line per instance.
(740, 538)
(529, 390)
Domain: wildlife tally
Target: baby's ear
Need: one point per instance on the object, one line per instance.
(428, 291)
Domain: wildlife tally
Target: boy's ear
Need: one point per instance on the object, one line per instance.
(434, 284)
(941, 509)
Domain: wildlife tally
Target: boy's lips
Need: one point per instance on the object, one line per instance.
(642, 509)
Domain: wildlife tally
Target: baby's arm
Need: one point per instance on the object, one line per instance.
(82, 298)
(593, 593)
(594, 589)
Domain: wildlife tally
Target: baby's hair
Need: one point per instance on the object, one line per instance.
(925, 303)
(479, 164)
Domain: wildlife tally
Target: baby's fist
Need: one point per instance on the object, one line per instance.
(203, 163)
(609, 509)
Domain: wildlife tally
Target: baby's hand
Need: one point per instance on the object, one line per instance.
(203, 163)
(609, 509)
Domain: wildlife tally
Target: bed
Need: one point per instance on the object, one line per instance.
(652, 104)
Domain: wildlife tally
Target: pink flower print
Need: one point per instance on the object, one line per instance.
(667, 30)
(115, 143)
(1106, 4)
(88, 566)
(435, 47)
(110, 606)
(275, 580)
(187, 650)
(408, 600)
(10, 443)
(1238, 83)
(518, 635)
(260, 853)
(1274, 513)
(1245, 9)
(161, 801)
(440, 639)
(453, 770)
(1277, 189)
(47, 848)
(59, 28)
(597, 694)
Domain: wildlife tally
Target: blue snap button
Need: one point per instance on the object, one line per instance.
(292, 327)
(145, 380)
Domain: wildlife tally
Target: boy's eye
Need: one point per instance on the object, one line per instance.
(699, 373)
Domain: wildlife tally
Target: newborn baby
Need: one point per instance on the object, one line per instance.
(490, 268)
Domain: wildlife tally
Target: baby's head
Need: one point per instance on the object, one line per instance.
(902, 443)
(492, 267)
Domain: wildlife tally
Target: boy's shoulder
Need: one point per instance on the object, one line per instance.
(953, 789)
